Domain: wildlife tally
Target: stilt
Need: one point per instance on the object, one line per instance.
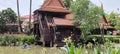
(44, 43)
(50, 43)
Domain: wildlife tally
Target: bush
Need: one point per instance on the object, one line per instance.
(7, 40)
(107, 50)
(27, 39)
(98, 39)
(15, 41)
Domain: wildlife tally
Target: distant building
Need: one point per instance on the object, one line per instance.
(25, 21)
(10, 28)
(104, 26)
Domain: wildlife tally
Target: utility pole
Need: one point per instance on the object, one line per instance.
(30, 16)
(19, 27)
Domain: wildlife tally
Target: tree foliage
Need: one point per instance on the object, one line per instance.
(67, 3)
(2, 22)
(86, 15)
(7, 16)
(114, 19)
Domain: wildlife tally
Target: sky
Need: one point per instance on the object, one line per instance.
(108, 5)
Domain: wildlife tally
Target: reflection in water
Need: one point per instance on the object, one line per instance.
(32, 50)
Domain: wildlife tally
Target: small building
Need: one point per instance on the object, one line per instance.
(104, 26)
(9, 28)
(52, 23)
(25, 21)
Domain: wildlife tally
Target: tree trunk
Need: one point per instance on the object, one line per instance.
(19, 27)
(30, 17)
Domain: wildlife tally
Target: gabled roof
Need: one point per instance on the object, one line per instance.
(53, 6)
(104, 20)
(106, 23)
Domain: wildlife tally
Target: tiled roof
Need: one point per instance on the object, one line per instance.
(63, 22)
(107, 25)
(104, 20)
(69, 16)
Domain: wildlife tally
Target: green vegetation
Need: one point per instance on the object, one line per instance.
(7, 16)
(15, 41)
(114, 19)
(73, 50)
(32, 50)
(96, 50)
(67, 3)
(94, 40)
(87, 15)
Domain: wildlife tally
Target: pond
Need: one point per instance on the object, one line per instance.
(32, 50)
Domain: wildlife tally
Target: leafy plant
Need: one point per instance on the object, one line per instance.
(8, 40)
(78, 51)
(96, 51)
(72, 48)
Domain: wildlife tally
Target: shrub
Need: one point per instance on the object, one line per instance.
(16, 41)
(27, 39)
(7, 40)
(96, 50)
(98, 39)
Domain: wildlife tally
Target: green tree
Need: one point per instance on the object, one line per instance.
(118, 25)
(2, 22)
(86, 15)
(114, 19)
(67, 3)
(9, 15)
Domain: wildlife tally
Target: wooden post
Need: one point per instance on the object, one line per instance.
(44, 43)
(54, 29)
(50, 43)
(102, 33)
(40, 25)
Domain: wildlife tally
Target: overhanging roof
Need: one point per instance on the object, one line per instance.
(63, 22)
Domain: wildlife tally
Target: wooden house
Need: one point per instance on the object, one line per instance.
(52, 23)
(104, 26)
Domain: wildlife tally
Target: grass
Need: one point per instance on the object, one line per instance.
(118, 36)
(32, 50)
(71, 50)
